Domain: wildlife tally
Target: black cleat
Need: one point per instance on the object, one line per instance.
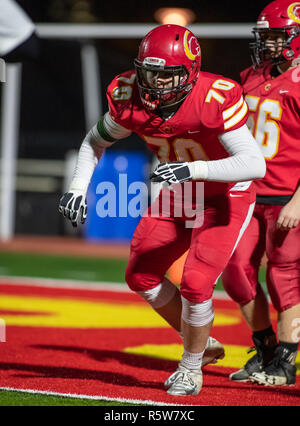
(265, 352)
(280, 372)
(254, 365)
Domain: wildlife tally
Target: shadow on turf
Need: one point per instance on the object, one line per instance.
(120, 379)
(140, 361)
(103, 376)
(133, 360)
(42, 371)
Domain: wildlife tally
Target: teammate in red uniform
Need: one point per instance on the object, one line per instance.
(195, 123)
(273, 95)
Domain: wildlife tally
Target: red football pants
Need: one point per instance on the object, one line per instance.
(240, 278)
(159, 241)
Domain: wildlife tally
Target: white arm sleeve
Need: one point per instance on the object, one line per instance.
(91, 151)
(245, 163)
(114, 129)
(15, 26)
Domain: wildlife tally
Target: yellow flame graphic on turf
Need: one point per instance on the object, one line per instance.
(76, 313)
(235, 356)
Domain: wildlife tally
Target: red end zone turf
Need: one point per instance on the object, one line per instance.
(110, 344)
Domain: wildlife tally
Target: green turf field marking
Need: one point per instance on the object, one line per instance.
(22, 399)
(28, 397)
(72, 268)
(63, 267)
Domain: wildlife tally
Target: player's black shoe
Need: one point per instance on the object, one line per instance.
(254, 365)
(264, 354)
(281, 370)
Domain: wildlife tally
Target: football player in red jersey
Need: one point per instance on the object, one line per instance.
(195, 122)
(272, 92)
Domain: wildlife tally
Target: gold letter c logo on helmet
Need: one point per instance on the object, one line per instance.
(294, 12)
(191, 45)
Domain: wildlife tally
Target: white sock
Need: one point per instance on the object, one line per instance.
(192, 361)
(209, 341)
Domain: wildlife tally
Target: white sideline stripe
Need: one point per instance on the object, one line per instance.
(90, 397)
(80, 285)
(67, 284)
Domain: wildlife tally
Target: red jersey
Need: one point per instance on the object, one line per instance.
(274, 105)
(215, 105)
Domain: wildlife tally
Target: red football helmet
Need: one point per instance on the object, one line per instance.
(280, 16)
(171, 52)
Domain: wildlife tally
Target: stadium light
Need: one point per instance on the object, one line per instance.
(175, 15)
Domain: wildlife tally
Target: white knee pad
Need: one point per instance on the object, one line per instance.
(159, 296)
(197, 314)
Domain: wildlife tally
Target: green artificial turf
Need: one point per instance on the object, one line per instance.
(8, 398)
(70, 268)
(62, 267)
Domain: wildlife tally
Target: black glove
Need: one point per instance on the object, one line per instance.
(73, 206)
(175, 172)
